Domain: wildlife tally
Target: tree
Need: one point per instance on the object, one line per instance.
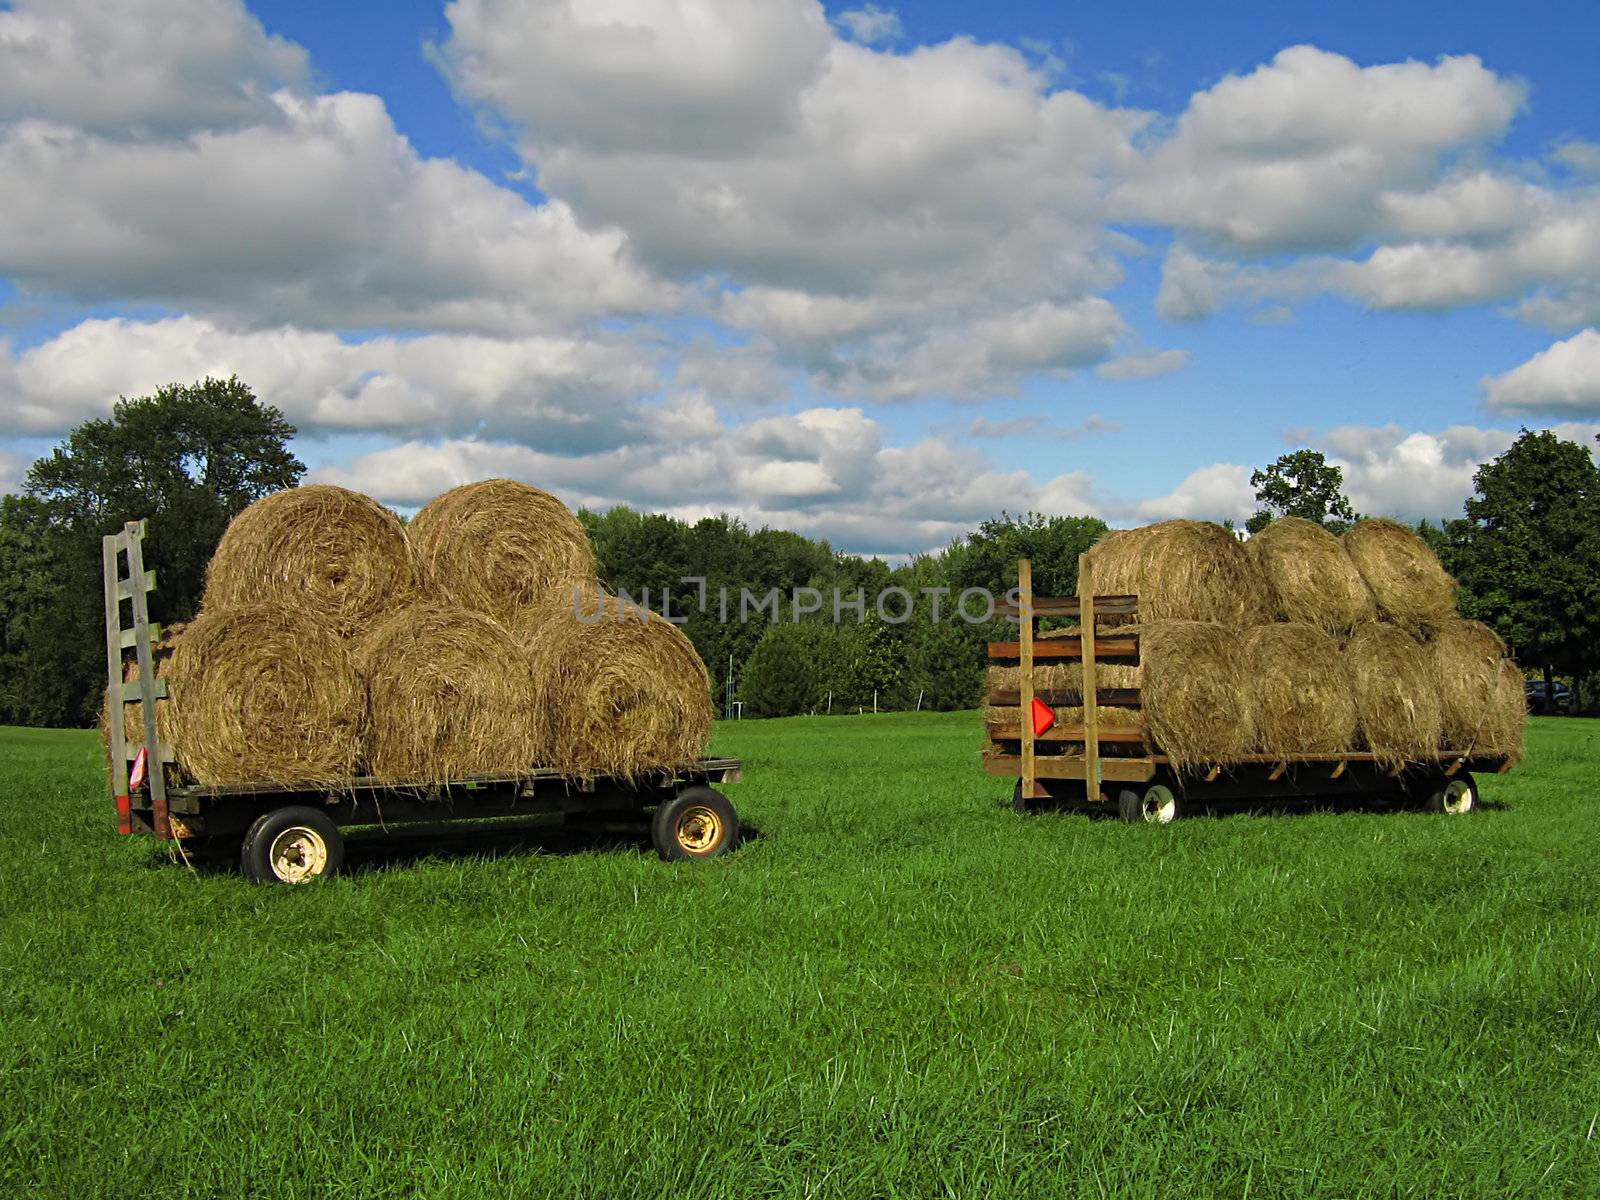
(1301, 484)
(188, 457)
(780, 678)
(1528, 552)
(988, 557)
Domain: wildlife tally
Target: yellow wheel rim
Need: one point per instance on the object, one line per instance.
(298, 855)
(699, 829)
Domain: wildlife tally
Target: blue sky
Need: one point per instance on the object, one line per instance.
(869, 272)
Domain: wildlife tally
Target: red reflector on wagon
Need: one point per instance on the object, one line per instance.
(1043, 716)
(124, 814)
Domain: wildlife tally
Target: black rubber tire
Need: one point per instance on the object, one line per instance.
(668, 831)
(255, 857)
(1131, 804)
(1436, 801)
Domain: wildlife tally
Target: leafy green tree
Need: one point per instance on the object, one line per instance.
(987, 558)
(33, 640)
(780, 679)
(1301, 484)
(188, 457)
(1528, 552)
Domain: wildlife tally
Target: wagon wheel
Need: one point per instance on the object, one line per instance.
(1454, 797)
(292, 845)
(698, 822)
(1156, 805)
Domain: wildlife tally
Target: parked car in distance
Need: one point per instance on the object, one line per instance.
(1538, 702)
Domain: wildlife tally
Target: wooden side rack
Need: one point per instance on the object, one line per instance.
(1096, 754)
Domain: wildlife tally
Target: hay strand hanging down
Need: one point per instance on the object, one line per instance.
(264, 693)
(1300, 696)
(332, 553)
(624, 695)
(1183, 571)
(1396, 695)
(1483, 713)
(452, 697)
(1406, 578)
(498, 546)
(1310, 577)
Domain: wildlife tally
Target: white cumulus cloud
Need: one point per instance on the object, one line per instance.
(1565, 378)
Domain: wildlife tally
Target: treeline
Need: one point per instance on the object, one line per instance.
(801, 627)
(791, 623)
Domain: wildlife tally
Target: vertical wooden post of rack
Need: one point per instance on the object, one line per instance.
(155, 763)
(116, 711)
(1091, 678)
(1025, 685)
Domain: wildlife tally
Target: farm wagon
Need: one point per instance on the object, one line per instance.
(296, 833)
(1120, 770)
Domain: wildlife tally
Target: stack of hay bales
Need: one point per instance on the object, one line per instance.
(1293, 645)
(334, 642)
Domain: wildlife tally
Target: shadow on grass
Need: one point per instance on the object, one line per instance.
(373, 850)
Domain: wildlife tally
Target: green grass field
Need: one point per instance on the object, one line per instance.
(900, 989)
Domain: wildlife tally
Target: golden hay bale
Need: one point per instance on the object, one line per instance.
(1299, 693)
(1182, 571)
(625, 690)
(265, 693)
(1504, 732)
(1192, 688)
(1482, 712)
(1396, 696)
(498, 546)
(1309, 576)
(334, 554)
(1410, 585)
(451, 696)
(1195, 688)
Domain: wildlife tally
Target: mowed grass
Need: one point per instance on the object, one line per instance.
(900, 989)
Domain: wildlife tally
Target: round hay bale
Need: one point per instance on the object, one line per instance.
(265, 693)
(1396, 697)
(498, 546)
(1482, 713)
(451, 695)
(1195, 692)
(624, 689)
(334, 554)
(1309, 576)
(1406, 578)
(1300, 696)
(1182, 571)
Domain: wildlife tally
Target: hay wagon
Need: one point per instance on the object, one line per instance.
(296, 833)
(1118, 770)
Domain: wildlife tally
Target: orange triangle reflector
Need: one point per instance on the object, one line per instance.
(1043, 716)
